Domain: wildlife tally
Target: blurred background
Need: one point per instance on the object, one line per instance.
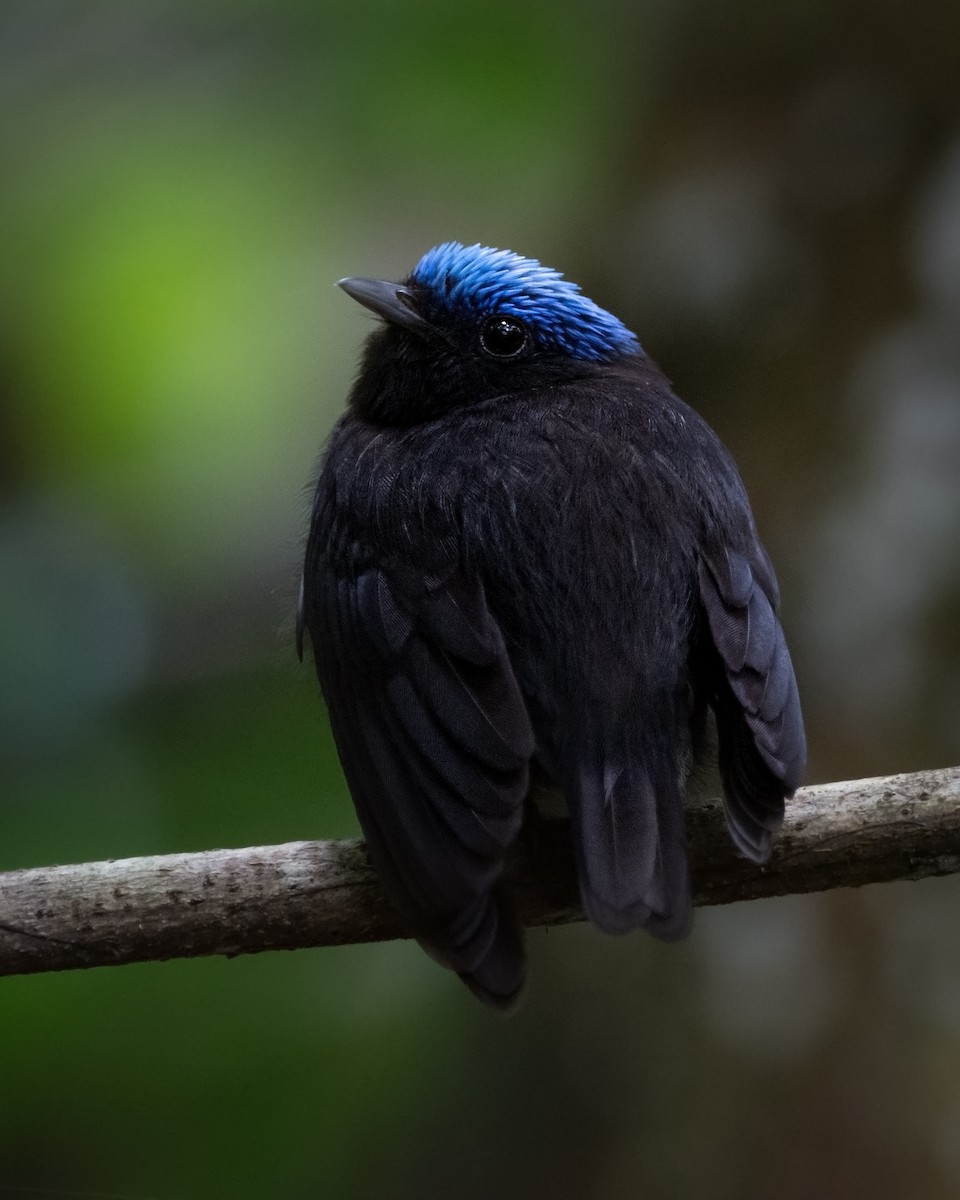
(770, 195)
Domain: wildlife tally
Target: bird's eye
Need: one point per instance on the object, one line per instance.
(503, 337)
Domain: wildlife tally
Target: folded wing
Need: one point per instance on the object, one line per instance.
(762, 748)
(435, 742)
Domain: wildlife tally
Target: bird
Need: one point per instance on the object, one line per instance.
(528, 558)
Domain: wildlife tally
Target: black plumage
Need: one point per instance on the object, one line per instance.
(524, 549)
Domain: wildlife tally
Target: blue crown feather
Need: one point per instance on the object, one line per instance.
(485, 281)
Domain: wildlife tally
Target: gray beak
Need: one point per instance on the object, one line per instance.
(392, 301)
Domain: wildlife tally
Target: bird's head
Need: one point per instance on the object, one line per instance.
(469, 323)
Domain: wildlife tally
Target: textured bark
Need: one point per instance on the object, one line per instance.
(325, 893)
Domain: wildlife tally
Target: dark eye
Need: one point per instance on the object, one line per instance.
(503, 337)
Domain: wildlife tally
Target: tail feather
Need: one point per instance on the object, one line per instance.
(630, 841)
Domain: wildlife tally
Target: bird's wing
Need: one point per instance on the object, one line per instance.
(762, 748)
(435, 742)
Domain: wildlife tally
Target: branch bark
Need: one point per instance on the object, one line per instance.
(325, 893)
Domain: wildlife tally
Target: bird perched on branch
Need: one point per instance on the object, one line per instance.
(526, 551)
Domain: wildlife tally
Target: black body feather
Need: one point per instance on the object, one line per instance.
(549, 560)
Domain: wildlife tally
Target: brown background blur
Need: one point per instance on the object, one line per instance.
(770, 196)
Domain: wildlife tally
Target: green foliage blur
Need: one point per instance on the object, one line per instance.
(770, 196)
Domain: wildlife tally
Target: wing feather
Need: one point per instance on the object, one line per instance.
(759, 723)
(435, 741)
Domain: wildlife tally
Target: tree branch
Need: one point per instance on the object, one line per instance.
(325, 893)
